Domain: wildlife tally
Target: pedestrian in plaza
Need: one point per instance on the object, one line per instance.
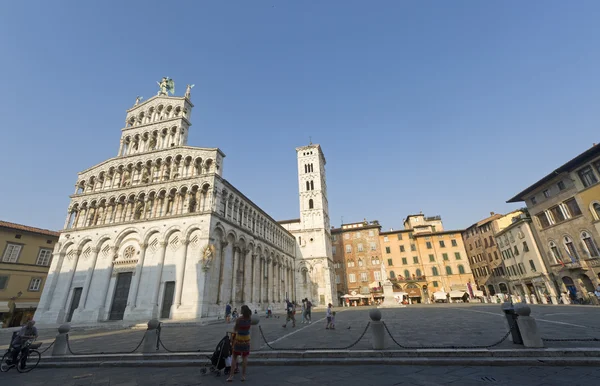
(303, 311)
(308, 311)
(329, 315)
(234, 314)
(241, 342)
(291, 310)
(597, 293)
(228, 313)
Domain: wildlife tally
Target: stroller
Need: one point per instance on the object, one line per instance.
(221, 358)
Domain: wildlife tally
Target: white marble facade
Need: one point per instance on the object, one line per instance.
(157, 232)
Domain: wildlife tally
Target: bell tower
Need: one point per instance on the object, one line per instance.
(314, 237)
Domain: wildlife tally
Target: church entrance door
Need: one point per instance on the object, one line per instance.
(165, 312)
(119, 303)
(74, 302)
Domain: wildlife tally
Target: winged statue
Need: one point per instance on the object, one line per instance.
(166, 85)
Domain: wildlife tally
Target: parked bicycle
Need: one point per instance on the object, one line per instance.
(27, 358)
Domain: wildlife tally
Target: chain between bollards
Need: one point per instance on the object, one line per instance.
(46, 349)
(102, 352)
(315, 348)
(450, 347)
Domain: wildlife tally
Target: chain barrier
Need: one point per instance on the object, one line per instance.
(450, 347)
(46, 349)
(102, 352)
(316, 348)
(571, 339)
(159, 343)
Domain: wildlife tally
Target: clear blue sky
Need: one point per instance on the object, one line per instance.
(445, 107)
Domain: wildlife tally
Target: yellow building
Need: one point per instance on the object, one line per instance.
(26, 258)
(424, 258)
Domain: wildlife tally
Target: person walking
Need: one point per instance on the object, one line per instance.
(241, 342)
(329, 315)
(291, 310)
(228, 313)
(308, 311)
(303, 311)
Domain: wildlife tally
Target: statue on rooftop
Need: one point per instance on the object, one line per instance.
(166, 86)
(188, 91)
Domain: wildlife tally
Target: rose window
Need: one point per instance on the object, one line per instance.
(129, 252)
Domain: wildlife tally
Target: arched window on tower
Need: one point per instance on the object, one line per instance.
(305, 168)
(312, 185)
(311, 204)
(311, 168)
(307, 185)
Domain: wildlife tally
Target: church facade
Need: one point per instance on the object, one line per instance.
(157, 232)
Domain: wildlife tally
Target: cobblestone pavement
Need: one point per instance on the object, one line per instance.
(416, 325)
(319, 375)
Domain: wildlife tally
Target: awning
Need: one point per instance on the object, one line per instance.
(26, 305)
(398, 294)
(4, 307)
(457, 294)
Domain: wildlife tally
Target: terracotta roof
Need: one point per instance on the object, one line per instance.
(19, 227)
(567, 167)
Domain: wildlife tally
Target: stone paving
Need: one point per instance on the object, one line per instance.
(416, 325)
(319, 375)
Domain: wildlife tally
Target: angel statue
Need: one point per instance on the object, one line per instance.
(207, 256)
(166, 86)
(138, 99)
(188, 91)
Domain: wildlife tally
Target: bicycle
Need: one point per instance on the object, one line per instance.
(27, 359)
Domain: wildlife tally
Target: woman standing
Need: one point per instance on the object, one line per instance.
(241, 342)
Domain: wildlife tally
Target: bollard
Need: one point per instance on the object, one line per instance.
(255, 340)
(60, 343)
(528, 327)
(511, 318)
(377, 329)
(151, 335)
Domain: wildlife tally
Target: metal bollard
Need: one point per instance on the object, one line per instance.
(377, 329)
(60, 342)
(511, 319)
(151, 336)
(255, 342)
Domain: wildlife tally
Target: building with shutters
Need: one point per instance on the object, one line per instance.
(424, 258)
(565, 209)
(26, 258)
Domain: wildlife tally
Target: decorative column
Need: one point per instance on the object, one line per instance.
(252, 279)
(223, 244)
(268, 279)
(88, 278)
(180, 272)
(47, 296)
(244, 263)
(70, 281)
(161, 263)
(234, 273)
(138, 275)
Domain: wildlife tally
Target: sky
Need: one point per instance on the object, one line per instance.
(449, 108)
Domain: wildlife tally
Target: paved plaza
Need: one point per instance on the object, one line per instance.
(417, 325)
(314, 375)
